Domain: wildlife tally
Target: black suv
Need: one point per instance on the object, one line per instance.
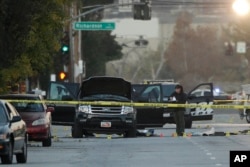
(159, 91)
(153, 91)
(104, 119)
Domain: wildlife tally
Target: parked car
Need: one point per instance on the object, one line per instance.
(13, 135)
(36, 115)
(103, 118)
(219, 95)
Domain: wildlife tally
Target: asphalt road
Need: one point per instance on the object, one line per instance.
(159, 150)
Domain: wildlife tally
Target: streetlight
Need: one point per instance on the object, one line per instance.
(241, 7)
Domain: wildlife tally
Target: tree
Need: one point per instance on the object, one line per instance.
(239, 30)
(43, 40)
(98, 47)
(30, 33)
(13, 33)
(152, 65)
(196, 53)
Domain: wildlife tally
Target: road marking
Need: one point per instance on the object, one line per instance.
(225, 125)
(201, 147)
(205, 150)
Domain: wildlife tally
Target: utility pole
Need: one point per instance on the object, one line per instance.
(71, 44)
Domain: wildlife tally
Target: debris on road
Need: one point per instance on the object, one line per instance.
(212, 132)
(145, 132)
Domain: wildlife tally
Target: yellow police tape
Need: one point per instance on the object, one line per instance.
(132, 104)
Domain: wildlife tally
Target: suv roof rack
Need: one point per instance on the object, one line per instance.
(158, 81)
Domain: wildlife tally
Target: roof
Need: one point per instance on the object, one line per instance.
(105, 77)
(167, 81)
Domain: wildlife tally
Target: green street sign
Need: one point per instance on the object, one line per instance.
(94, 26)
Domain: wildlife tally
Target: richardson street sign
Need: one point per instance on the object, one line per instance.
(94, 26)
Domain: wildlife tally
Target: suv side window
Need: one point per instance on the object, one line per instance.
(168, 89)
(196, 94)
(152, 93)
(207, 93)
(62, 91)
(202, 90)
(57, 91)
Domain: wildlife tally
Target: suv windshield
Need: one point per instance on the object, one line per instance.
(105, 97)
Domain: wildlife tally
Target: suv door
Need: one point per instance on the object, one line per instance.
(150, 116)
(136, 90)
(196, 97)
(64, 114)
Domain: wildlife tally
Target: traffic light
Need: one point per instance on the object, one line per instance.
(65, 43)
(65, 48)
(141, 42)
(142, 11)
(62, 76)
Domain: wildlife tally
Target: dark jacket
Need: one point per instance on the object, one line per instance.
(181, 98)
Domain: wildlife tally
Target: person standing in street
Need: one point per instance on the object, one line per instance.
(179, 97)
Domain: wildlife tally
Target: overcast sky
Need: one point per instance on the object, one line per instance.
(130, 28)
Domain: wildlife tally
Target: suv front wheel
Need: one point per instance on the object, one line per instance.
(76, 131)
(131, 133)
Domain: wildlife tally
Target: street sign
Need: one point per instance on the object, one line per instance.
(94, 26)
(241, 47)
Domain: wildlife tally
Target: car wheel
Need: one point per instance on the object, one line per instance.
(77, 131)
(248, 117)
(47, 142)
(7, 159)
(188, 122)
(87, 134)
(22, 157)
(131, 133)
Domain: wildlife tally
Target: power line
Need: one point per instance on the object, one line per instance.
(191, 4)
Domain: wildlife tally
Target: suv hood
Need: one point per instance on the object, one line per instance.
(105, 85)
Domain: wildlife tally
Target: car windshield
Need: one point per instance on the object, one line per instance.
(27, 107)
(3, 117)
(105, 97)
